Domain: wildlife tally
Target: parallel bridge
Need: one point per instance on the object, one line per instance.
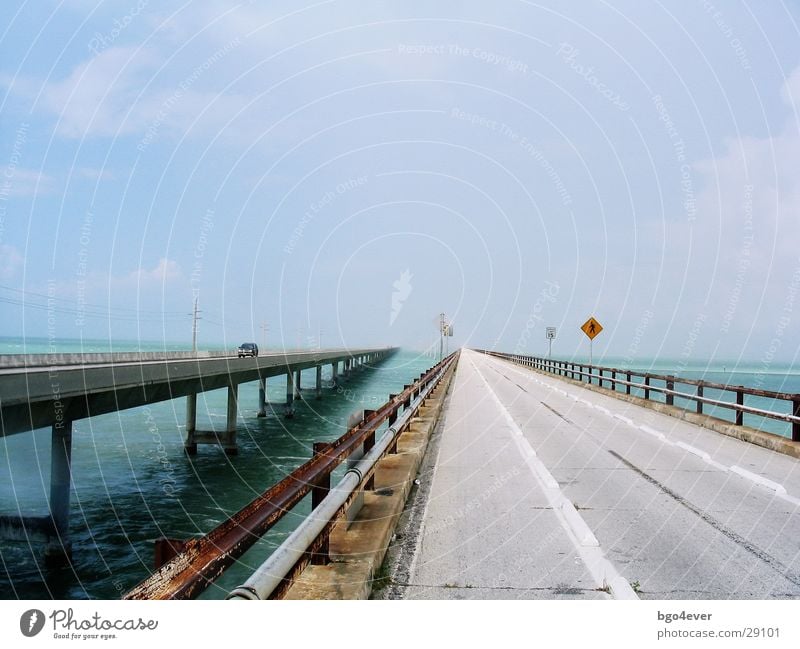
(53, 390)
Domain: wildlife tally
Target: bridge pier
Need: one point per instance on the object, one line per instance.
(335, 374)
(229, 439)
(226, 439)
(59, 548)
(298, 394)
(262, 398)
(288, 410)
(189, 445)
(318, 387)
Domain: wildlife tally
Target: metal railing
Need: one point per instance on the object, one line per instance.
(649, 384)
(198, 562)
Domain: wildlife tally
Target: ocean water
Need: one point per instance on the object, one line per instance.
(132, 481)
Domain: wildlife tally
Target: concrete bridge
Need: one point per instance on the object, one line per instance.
(539, 486)
(53, 390)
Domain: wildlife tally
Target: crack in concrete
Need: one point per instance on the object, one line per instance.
(742, 542)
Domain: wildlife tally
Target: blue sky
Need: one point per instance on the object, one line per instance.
(360, 167)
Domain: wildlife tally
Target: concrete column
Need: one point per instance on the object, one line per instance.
(289, 408)
(189, 445)
(59, 547)
(347, 368)
(319, 382)
(335, 374)
(298, 394)
(262, 398)
(230, 429)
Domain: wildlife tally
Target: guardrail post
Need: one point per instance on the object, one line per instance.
(628, 379)
(646, 390)
(739, 413)
(670, 386)
(393, 418)
(796, 425)
(614, 380)
(600, 380)
(318, 492)
(699, 403)
(369, 442)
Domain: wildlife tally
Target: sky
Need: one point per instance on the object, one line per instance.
(344, 172)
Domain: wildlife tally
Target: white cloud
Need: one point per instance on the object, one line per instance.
(29, 182)
(97, 97)
(164, 271)
(748, 225)
(91, 173)
(10, 261)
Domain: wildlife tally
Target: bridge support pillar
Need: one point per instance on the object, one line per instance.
(189, 444)
(262, 397)
(289, 408)
(298, 393)
(335, 374)
(59, 548)
(319, 382)
(229, 440)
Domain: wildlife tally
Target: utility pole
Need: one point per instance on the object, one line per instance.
(195, 318)
(441, 334)
(264, 330)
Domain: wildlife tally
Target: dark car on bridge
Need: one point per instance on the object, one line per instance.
(247, 349)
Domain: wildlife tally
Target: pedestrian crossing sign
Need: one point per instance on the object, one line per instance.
(591, 328)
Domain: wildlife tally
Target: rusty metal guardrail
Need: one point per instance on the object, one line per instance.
(198, 562)
(274, 577)
(651, 383)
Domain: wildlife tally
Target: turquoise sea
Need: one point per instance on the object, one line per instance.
(132, 482)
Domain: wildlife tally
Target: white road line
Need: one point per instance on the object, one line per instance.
(780, 490)
(585, 542)
(764, 482)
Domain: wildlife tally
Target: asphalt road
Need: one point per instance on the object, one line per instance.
(542, 489)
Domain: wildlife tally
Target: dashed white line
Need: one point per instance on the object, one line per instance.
(585, 542)
(764, 482)
(779, 489)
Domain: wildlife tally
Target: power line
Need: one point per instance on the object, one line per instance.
(93, 306)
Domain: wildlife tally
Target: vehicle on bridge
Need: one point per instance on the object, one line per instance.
(247, 349)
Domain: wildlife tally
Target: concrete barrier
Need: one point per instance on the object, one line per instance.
(54, 360)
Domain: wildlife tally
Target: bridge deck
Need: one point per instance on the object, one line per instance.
(544, 489)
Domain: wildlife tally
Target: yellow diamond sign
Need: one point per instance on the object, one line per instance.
(591, 328)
